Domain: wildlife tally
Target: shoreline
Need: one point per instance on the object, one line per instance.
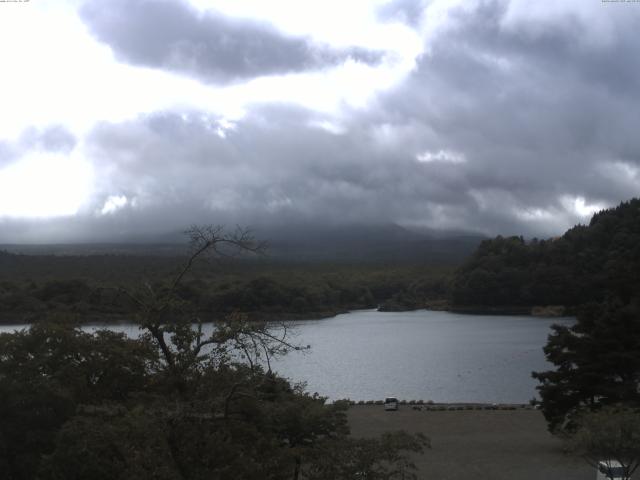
(28, 318)
(530, 311)
(429, 406)
(551, 311)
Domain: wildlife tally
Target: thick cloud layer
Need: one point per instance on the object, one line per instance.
(513, 121)
(542, 110)
(170, 34)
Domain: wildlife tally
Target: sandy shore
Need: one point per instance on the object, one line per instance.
(477, 444)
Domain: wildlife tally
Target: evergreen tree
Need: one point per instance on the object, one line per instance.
(597, 363)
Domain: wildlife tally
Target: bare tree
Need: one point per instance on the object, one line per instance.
(179, 334)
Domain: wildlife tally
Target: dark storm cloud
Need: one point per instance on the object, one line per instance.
(175, 36)
(275, 166)
(501, 126)
(273, 163)
(540, 118)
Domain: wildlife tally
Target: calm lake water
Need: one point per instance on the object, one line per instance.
(439, 356)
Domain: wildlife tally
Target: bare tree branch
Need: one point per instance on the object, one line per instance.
(162, 313)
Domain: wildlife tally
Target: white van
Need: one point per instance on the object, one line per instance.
(391, 403)
(610, 470)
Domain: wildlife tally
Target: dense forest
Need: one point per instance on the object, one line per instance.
(594, 270)
(588, 263)
(174, 403)
(90, 286)
(505, 274)
(304, 272)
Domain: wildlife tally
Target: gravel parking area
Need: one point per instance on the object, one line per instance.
(477, 444)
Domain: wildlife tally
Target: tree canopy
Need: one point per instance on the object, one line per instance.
(609, 439)
(597, 363)
(587, 263)
(174, 403)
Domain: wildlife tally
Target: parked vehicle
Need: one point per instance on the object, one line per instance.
(391, 403)
(610, 470)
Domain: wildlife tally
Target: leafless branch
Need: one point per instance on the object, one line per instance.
(185, 345)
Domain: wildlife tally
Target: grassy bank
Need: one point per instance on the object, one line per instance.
(477, 444)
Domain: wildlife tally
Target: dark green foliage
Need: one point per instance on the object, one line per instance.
(80, 406)
(98, 406)
(203, 438)
(588, 263)
(597, 363)
(384, 458)
(611, 434)
(172, 404)
(63, 291)
(260, 289)
(47, 372)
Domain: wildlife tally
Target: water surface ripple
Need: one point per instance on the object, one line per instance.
(439, 356)
(428, 355)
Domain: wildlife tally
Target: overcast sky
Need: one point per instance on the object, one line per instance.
(124, 117)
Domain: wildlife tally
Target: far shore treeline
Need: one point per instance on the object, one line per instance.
(589, 263)
(88, 287)
(510, 275)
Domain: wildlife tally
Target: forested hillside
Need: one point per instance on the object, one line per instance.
(307, 271)
(588, 263)
(88, 286)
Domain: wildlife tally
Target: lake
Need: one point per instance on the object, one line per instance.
(428, 355)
